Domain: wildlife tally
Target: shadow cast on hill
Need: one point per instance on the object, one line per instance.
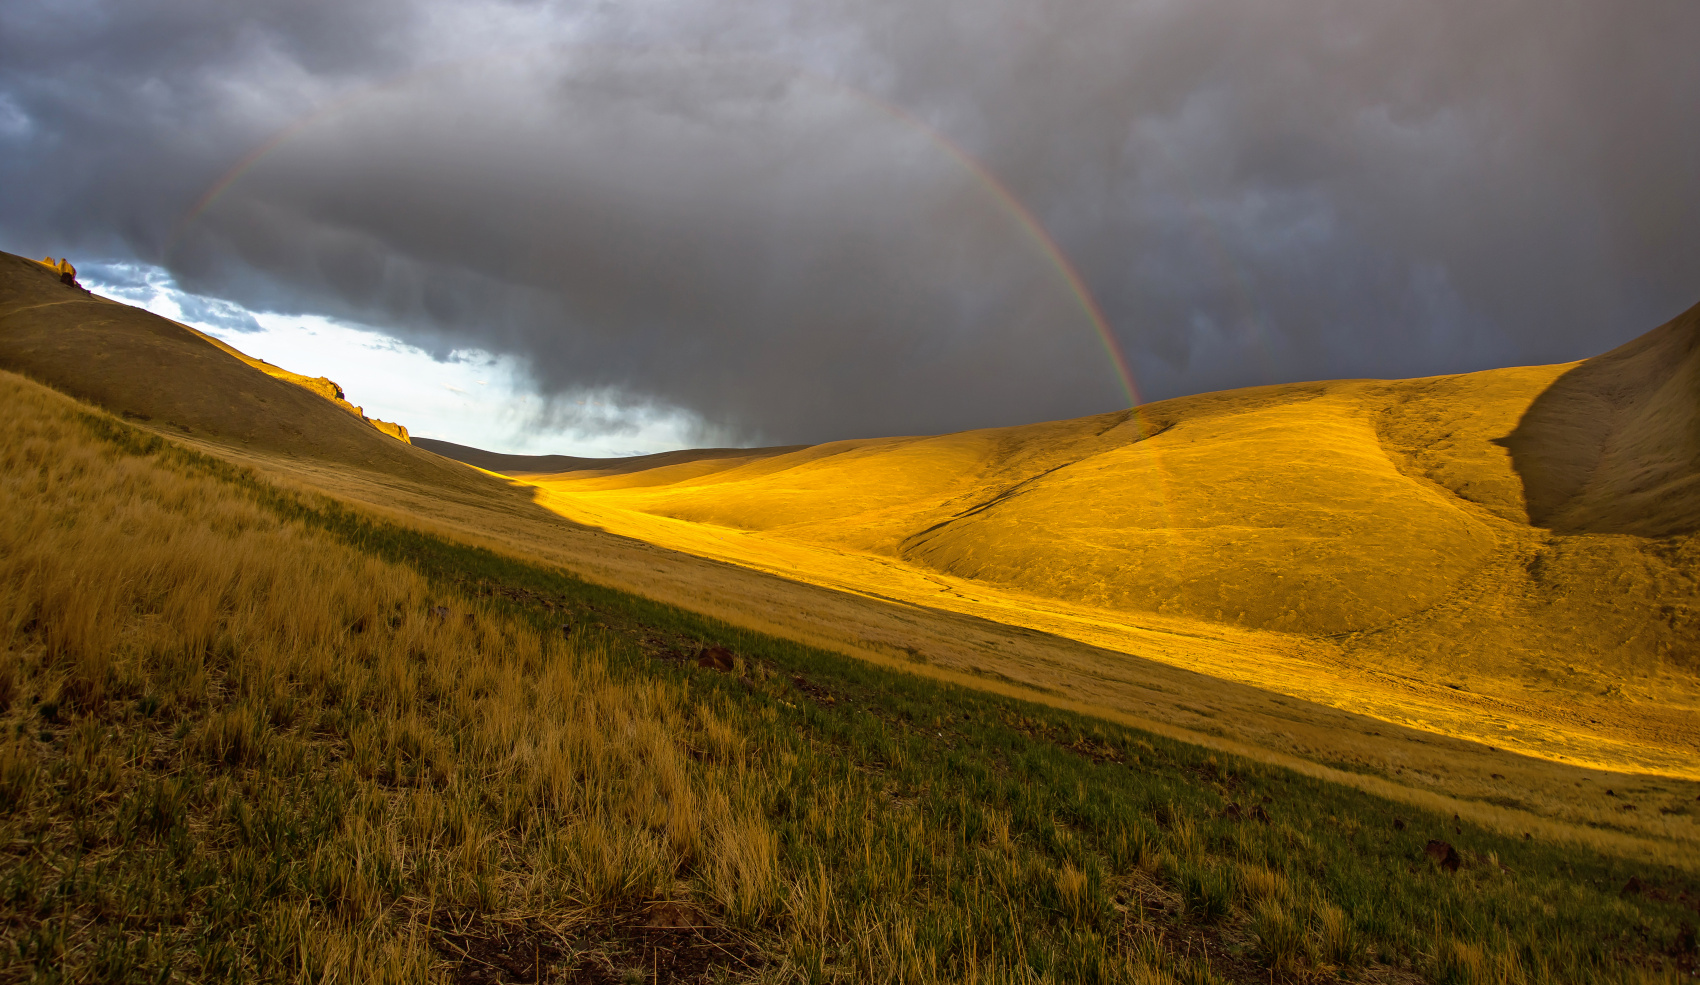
(1613, 445)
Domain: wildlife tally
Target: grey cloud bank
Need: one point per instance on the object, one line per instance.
(737, 210)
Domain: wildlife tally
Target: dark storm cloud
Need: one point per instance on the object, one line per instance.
(674, 207)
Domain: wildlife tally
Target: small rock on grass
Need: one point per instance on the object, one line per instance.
(716, 658)
(1443, 855)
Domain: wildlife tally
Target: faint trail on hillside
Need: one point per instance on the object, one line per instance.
(980, 507)
(50, 304)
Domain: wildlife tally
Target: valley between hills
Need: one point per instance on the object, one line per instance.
(1362, 681)
(1472, 592)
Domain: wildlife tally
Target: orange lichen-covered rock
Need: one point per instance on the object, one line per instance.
(396, 431)
(63, 267)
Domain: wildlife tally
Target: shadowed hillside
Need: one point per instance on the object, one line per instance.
(152, 369)
(1613, 446)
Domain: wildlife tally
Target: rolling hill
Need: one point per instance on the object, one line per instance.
(253, 735)
(1478, 587)
(1522, 538)
(541, 465)
(1320, 509)
(153, 370)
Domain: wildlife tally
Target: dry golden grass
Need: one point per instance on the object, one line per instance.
(1378, 710)
(1363, 545)
(276, 762)
(236, 747)
(1628, 705)
(472, 760)
(1490, 785)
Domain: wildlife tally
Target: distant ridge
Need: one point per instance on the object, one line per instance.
(533, 465)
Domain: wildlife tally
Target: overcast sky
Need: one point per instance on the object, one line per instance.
(718, 221)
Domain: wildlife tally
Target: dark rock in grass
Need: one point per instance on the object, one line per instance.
(358, 626)
(716, 658)
(1634, 887)
(1398, 824)
(1260, 815)
(1233, 812)
(1443, 854)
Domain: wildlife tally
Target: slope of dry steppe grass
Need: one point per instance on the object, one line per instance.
(1387, 710)
(243, 743)
(233, 699)
(1508, 556)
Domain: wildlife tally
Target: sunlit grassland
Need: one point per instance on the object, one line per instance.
(256, 735)
(1359, 545)
(1489, 785)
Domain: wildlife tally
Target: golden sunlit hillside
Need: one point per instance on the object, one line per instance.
(1240, 687)
(1362, 546)
(1322, 509)
(1503, 555)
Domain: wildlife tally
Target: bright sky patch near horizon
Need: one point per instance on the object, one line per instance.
(468, 396)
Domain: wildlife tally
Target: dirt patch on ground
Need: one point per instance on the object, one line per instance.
(814, 691)
(669, 942)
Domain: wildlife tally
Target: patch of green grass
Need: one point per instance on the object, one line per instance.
(919, 831)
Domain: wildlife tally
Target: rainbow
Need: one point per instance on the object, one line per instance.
(1017, 209)
(1008, 201)
(1006, 198)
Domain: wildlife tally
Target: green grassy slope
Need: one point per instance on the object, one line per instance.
(253, 790)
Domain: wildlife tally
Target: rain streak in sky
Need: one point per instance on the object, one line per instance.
(623, 227)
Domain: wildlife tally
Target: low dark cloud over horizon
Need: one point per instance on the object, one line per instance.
(747, 211)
